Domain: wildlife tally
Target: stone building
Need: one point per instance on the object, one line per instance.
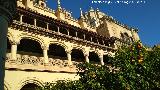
(45, 45)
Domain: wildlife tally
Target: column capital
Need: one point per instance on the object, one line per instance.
(86, 54)
(14, 42)
(68, 51)
(45, 47)
(8, 9)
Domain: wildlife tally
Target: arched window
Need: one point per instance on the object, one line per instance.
(30, 86)
(94, 58)
(29, 47)
(56, 51)
(77, 55)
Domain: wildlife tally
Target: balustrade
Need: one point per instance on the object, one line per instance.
(28, 62)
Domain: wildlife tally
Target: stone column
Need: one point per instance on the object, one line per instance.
(58, 29)
(103, 42)
(14, 50)
(84, 36)
(69, 57)
(76, 34)
(35, 22)
(87, 58)
(21, 19)
(101, 59)
(7, 9)
(91, 39)
(45, 55)
(68, 32)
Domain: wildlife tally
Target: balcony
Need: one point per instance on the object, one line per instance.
(36, 63)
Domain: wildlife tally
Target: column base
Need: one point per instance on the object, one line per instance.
(46, 64)
(70, 63)
(13, 61)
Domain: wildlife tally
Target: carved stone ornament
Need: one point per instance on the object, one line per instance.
(8, 9)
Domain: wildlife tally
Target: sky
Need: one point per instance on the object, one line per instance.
(141, 14)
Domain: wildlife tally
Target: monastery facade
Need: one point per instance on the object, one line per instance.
(45, 45)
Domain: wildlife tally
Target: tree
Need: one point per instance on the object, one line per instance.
(133, 68)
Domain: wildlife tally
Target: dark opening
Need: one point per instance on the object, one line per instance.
(63, 30)
(88, 38)
(93, 57)
(28, 46)
(94, 40)
(77, 55)
(28, 20)
(41, 23)
(106, 42)
(72, 32)
(107, 59)
(56, 51)
(80, 35)
(100, 41)
(53, 27)
(30, 86)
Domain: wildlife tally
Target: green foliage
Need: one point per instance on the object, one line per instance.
(63, 85)
(152, 64)
(133, 68)
(94, 77)
(132, 71)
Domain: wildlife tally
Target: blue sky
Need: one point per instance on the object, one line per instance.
(144, 15)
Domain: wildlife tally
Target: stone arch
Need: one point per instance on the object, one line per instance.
(29, 80)
(35, 38)
(79, 48)
(60, 44)
(78, 54)
(96, 51)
